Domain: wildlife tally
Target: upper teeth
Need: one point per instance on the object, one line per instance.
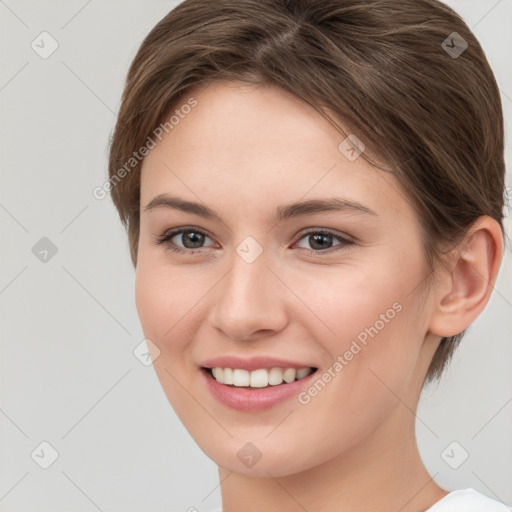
(258, 378)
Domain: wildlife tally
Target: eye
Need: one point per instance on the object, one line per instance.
(321, 241)
(191, 238)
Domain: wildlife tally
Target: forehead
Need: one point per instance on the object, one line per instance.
(259, 142)
(246, 118)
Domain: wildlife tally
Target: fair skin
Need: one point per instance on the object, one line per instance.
(243, 151)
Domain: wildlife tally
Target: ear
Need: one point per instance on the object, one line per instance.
(465, 288)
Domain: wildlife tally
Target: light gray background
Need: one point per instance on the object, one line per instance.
(69, 326)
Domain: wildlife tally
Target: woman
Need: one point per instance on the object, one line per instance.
(314, 209)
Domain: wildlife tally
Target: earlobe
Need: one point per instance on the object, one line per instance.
(465, 289)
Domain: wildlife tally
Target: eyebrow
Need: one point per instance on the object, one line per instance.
(283, 212)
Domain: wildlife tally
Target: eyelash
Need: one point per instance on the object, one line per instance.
(167, 236)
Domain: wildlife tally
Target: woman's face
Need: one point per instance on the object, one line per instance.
(338, 290)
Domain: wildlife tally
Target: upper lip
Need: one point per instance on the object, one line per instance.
(252, 363)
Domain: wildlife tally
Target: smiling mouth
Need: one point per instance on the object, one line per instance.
(261, 378)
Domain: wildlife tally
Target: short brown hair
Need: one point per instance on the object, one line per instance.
(383, 68)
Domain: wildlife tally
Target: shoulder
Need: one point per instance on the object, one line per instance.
(468, 500)
(461, 500)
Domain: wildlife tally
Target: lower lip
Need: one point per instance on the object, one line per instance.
(254, 399)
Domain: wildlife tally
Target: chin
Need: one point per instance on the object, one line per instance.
(258, 458)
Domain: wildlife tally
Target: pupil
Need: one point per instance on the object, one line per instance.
(315, 239)
(195, 238)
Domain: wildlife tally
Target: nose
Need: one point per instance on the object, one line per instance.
(250, 301)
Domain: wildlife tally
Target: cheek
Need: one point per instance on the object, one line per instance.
(168, 301)
(372, 356)
(367, 316)
(150, 301)
(162, 312)
(160, 303)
